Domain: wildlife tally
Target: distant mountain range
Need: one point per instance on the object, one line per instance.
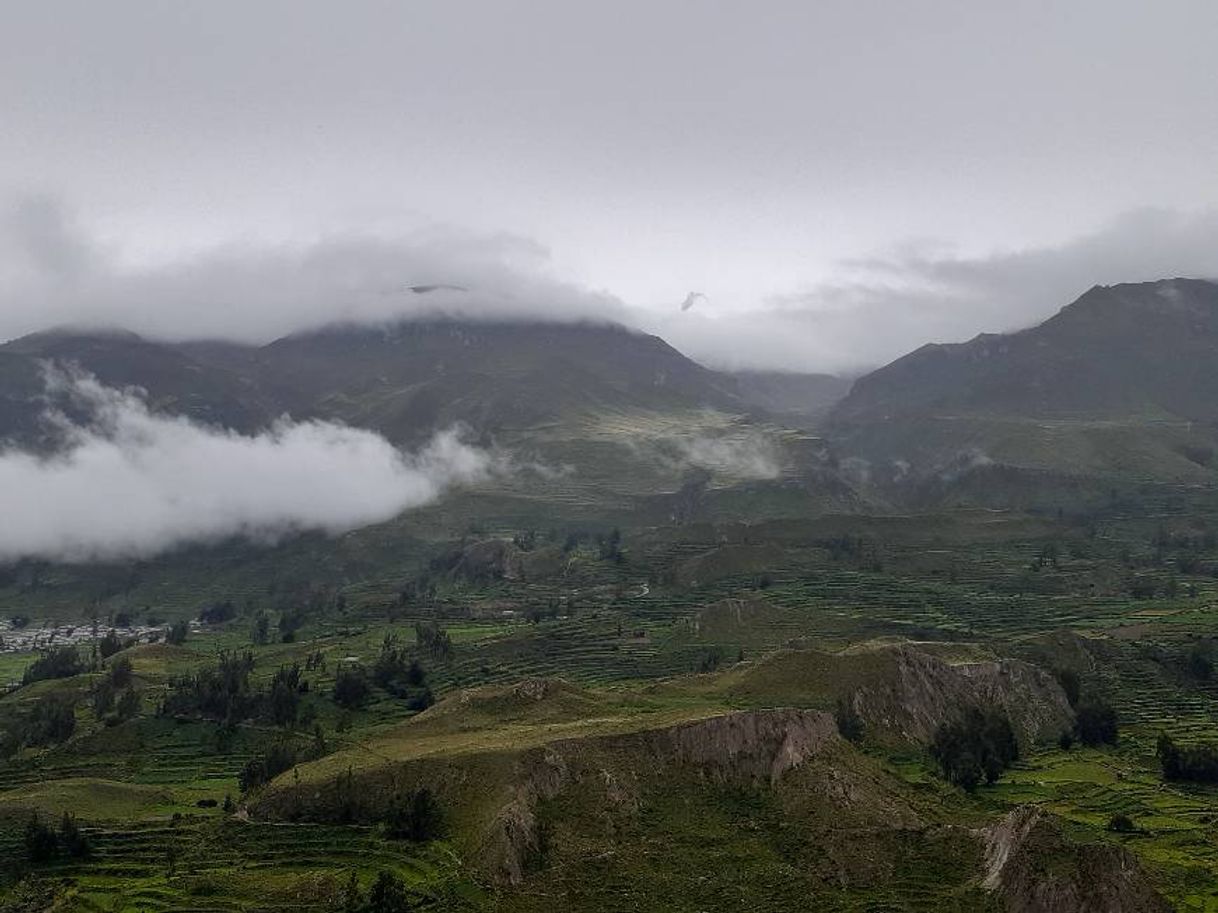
(404, 380)
(1122, 382)
(1149, 349)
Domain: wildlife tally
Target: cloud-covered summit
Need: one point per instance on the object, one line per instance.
(54, 272)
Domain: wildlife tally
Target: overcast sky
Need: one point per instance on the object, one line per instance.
(844, 180)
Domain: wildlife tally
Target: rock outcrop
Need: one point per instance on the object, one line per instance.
(1034, 868)
(908, 699)
(749, 747)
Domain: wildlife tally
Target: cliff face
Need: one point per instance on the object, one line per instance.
(1033, 868)
(748, 748)
(908, 700)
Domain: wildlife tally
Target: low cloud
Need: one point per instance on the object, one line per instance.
(752, 457)
(52, 273)
(132, 483)
(886, 306)
(874, 310)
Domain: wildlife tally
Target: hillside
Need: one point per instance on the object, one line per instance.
(1122, 383)
(402, 380)
(794, 396)
(1149, 349)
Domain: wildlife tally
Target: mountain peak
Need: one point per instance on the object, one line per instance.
(1119, 349)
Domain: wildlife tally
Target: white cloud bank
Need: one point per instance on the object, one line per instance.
(53, 272)
(882, 307)
(753, 457)
(134, 483)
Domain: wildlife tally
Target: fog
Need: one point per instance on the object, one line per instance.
(133, 483)
(752, 457)
(883, 306)
(54, 272)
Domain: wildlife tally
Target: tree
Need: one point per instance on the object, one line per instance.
(352, 898)
(350, 686)
(1199, 662)
(121, 672)
(387, 895)
(103, 698)
(278, 757)
(611, 547)
(220, 692)
(109, 645)
(41, 843)
(71, 840)
(52, 720)
(1070, 683)
(178, 632)
(1096, 723)
(283, 699)
(1195, 763)
(978, 744)
(59, 662)
(261, 632)
(416, 817)
(128, 704)
(434, 640)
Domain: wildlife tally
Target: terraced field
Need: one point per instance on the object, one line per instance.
(651, 633)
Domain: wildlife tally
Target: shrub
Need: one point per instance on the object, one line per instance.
(849, 723)
(416, 817)
(1121, 824)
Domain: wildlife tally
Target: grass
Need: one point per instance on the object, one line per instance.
(628, 641)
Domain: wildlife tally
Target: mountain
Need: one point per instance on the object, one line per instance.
(1148, 349)
(412, 377)
(403, 380)
(1122, 384)
(174, 381)
(798, 397)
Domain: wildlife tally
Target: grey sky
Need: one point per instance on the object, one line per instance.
(747, 150)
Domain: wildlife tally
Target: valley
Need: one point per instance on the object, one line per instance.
(691, 649)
